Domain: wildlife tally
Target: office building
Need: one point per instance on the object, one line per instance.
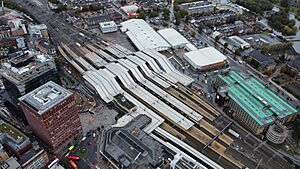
(52, 113)
(251, 102)
(108, 27)
(26, 72)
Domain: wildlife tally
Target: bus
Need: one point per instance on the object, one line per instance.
(73, 157)
(73, 164)
(71, 148)
(78, 44)
(81, 34)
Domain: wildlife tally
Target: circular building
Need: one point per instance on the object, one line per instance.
(277, 133)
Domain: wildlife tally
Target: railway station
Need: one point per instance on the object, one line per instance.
(147, 80)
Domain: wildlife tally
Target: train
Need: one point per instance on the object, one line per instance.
(234, 133)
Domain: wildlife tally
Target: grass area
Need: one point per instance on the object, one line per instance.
(267, 33)
(295, 11)
(6, 128)
(82, 152)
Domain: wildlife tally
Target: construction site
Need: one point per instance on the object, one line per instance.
(145, 83)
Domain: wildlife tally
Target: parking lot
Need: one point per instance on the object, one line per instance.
(116, 37)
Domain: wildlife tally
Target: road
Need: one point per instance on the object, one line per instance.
(58, 28)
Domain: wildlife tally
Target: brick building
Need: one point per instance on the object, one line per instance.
(251, 102)
(52, 113)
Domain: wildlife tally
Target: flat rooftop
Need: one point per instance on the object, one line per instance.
(173, 37)
(45, 97)
(262, 104)
(6, 128)
(130, 146)
(237, 41)
(13, 137)
(107, 24)
(204, 57)
(143, 35)
(193, 6)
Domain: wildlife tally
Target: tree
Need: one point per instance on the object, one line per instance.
(183, 12)
(142, 13)
(226, 45)
(193, 33)
(176, 8)
(68, 7)
(217, 38)
(153, 14)
(238, 51)
(61, 7)
(58, 62)
(200, 27)
(284, 3)
(177, 22)
(78, 10)
(177, 16)
(166, 11)
(187, 18)
(166, 17)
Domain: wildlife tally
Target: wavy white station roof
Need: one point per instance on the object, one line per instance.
(168, 67)
(155, 89)
(95, 59)
(142, 93)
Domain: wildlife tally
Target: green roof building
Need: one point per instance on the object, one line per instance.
(252, 102)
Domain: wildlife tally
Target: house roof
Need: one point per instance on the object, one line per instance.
(258, 55)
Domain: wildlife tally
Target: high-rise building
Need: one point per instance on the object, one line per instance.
(52, 113)
(26, 72)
